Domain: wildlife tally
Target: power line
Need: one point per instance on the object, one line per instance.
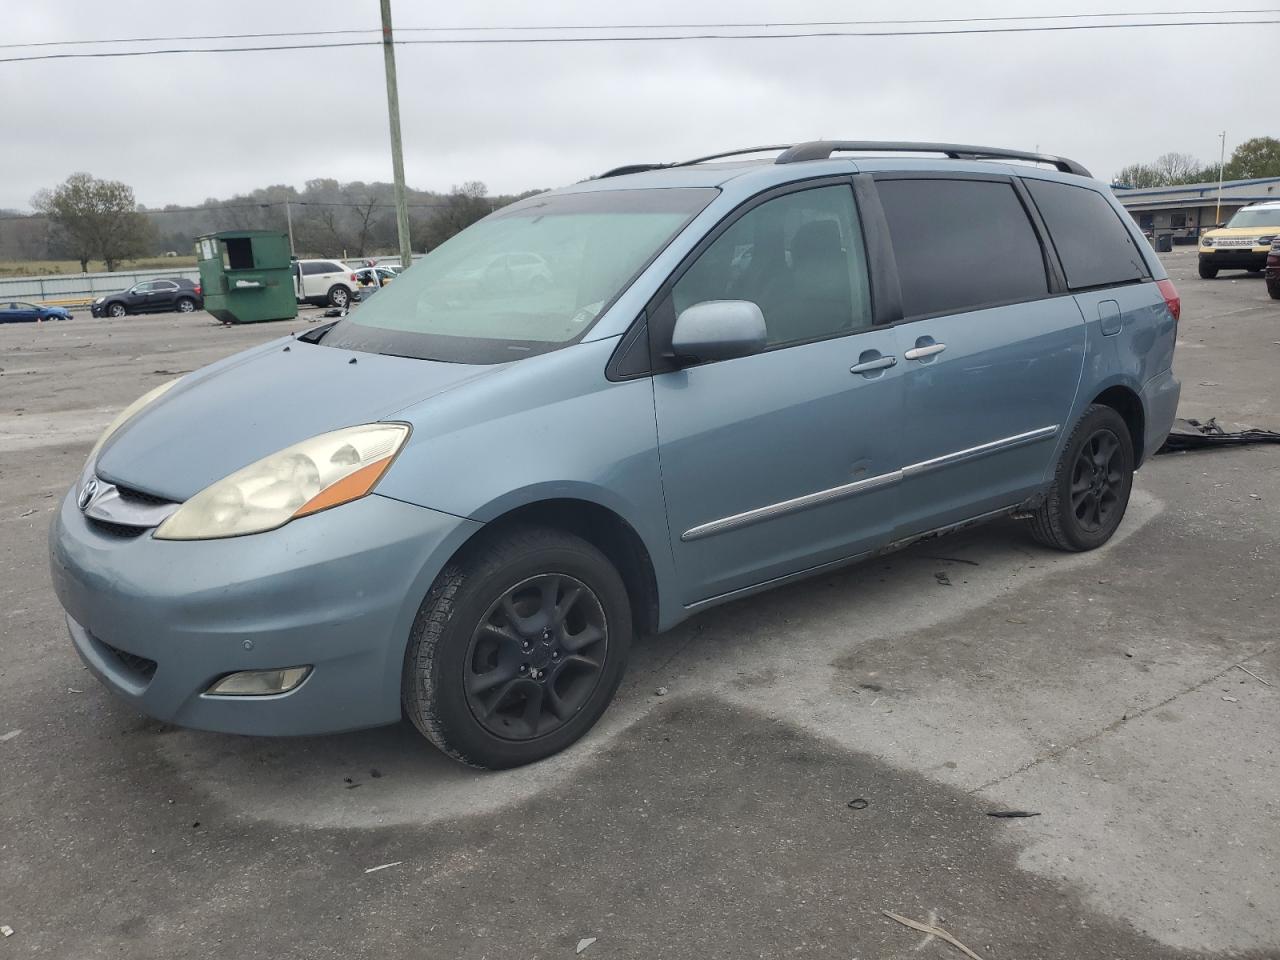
(752, 25)
(644, 39)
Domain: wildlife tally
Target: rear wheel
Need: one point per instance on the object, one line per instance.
(1273, 288)
(517, 649)
(339, 296)
(186, 305)
(1091, 484)
(1207, 271)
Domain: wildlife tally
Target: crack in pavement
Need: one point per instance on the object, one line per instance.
(1117, 724)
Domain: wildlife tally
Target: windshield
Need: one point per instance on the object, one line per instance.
(1256, 218)
(529, 278)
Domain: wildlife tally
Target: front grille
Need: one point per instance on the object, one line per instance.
(137, 496)
(1236, 242)
(140, 666)
(118, 530)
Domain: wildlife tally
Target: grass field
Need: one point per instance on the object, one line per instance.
(45, 268)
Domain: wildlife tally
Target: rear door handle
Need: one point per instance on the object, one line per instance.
(928, 350)
(870, 366)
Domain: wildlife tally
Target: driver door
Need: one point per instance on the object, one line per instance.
(779, 462)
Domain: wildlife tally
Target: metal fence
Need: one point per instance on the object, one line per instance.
(72, 287)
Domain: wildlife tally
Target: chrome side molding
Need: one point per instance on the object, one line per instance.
(878, 482)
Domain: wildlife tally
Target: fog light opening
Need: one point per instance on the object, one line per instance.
(259, 683)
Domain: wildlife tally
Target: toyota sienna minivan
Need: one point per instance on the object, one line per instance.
(463, 501)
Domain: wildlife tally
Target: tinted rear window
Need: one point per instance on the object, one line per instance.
(1091, 240)
(961, 245)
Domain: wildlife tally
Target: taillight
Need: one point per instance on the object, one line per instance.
(197, 289)
(353, 278)
(1171, 298)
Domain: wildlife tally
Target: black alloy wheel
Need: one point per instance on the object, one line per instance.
(536, 657)
(518, 647)
(1087, 499)
(1096, 481)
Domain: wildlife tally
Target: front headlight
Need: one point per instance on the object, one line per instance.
(1262, 241)
(323, 472)
(147, 398)
(100, 299)
(1206, 241)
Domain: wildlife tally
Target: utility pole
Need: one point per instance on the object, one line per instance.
(288, 218)
(1222, 156)
(397, 149)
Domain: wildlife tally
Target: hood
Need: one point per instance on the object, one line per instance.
(254, 404)
(1220, 233)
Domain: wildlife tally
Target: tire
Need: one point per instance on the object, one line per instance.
(1273, 289)
(1207, 272)
(1084, 505)
(339, 296)
(471, 690)
(116, 310)
(186, 305)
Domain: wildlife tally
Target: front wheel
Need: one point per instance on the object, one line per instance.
(116, 310)
(1091, 484)
(1207, 271)
(517, 649)
(1273, 289)
(339, 296)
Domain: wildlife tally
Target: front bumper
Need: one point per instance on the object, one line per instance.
(159, 621)
(1234, 258)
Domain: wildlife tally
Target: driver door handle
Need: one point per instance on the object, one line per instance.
(879, 363)
(928, 350)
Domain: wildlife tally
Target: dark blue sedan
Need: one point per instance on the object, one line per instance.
(15, 311)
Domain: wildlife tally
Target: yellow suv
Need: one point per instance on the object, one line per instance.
(1243, 243)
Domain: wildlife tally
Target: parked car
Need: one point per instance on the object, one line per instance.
(466, 508)
(1243, 243)
(151, 296)
(376, 276)
(324, 282)
(1273, 270)
(17, 311)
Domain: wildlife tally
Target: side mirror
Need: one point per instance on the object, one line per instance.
(719, 330)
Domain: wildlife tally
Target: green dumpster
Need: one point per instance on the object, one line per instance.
(247, 276)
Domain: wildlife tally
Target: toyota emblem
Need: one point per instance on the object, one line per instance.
(87, 492)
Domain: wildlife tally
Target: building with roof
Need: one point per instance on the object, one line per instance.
(1184, 212)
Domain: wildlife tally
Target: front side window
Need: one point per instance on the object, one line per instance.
(798, 257)
(466, 302)
(961, 245)
(143, 288)
(1093, 244)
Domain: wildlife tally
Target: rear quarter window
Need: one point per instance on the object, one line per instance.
(1095, 248)
(961, 245)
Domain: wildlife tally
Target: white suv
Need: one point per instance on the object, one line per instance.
(323, 282)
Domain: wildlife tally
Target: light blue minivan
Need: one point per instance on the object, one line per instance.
(463, 500)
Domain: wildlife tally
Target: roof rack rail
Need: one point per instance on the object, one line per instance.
(642, 167)
(822, 149)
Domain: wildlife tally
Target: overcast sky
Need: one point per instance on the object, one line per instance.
(179, 129)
